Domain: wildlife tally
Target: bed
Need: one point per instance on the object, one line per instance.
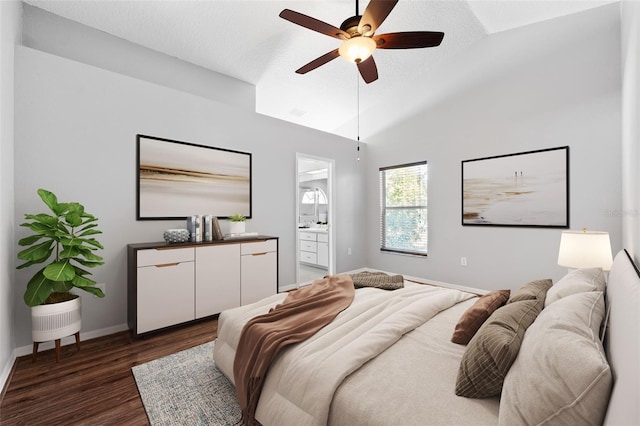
(389, 358)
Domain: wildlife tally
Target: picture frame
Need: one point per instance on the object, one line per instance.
(176, 179)
(525, 189)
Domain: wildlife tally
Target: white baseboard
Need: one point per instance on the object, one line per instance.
(6, 372)
(27, 350)
(287, 288)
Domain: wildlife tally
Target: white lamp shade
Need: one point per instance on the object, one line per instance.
(585, 249)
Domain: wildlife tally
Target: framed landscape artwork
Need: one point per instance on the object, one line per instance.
(524, 189)
(179, 179)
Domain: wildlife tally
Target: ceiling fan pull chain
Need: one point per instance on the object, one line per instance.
(358, 111)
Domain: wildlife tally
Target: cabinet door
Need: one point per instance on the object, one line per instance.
(323, 254)
(165, 295)
(259, 276)
(217, 279)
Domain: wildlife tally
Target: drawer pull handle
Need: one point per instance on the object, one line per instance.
(259, 254)
(164, 265)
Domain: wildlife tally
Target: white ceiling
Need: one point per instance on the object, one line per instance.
(247, 40)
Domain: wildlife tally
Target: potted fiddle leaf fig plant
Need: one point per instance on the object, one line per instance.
(64, 240)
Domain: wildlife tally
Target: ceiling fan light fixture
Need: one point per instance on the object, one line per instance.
(357, 49)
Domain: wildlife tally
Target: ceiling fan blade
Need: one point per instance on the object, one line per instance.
(314, 24)
(368, 70)
(408, 40)
(318, 62)
(375, 13)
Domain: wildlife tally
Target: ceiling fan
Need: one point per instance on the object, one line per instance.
(359, 41)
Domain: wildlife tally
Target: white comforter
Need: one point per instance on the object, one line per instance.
(301, 381)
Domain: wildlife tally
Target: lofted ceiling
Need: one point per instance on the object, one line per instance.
(248, 41)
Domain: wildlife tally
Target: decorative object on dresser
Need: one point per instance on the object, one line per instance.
(237, 224)
(67, 235)
(176, 179)
(178, 283)
(528, 189)
(176, 235)
(215, 229)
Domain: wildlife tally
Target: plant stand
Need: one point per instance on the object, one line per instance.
(55, 321)
(34, 355)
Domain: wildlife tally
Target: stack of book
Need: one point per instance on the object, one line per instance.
(204, 228)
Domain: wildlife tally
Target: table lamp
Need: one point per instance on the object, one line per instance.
(585, 249)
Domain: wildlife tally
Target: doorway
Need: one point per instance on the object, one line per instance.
(315, 207)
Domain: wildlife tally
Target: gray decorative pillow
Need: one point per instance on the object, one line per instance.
(576, 281)
(533, 290)
(493, 349)
(561, 375)
(377, 280)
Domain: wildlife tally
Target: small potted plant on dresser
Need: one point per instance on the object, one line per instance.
(64, 239)
(237, 225)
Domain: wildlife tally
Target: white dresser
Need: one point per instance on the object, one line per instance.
(170, 284)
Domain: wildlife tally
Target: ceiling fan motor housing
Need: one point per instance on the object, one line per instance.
(350, 25)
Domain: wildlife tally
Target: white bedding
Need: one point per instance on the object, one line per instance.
(422, 364)
(412, 381)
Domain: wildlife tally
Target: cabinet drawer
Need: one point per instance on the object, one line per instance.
(164, 256)
(309, 236)
(323, 238)
(307, 246)
(308, 257)
(258, 247)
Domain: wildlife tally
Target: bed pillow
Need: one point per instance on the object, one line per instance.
(379, 280)
(561, 375)
(532, 290)
(477, 314)
(493, 349)
(576, 281)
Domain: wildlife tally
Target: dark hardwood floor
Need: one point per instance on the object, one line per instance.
(94, 386)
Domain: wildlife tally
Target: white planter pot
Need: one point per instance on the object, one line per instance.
(56, 320)
(237, 228)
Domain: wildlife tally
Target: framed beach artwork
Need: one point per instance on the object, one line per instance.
(525, 189)
(179, 179)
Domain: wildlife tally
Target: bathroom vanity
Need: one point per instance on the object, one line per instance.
(314, 246)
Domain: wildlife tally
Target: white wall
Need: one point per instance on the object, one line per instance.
(10, 25)
(630, 212)
(75, 135)
(546, 85)
(63, 37)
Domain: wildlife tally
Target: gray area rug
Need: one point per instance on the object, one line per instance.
(187, 389)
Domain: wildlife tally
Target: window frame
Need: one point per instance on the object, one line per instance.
(383, 209)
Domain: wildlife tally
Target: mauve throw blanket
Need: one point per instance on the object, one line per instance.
(302, 313)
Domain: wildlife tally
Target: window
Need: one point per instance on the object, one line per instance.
(403, 208)
(311, 196)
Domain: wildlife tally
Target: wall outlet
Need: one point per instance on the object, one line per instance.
(349, 251)
(463, 261)
(102, 286)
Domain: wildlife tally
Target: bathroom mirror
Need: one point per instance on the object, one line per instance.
(315, 237)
